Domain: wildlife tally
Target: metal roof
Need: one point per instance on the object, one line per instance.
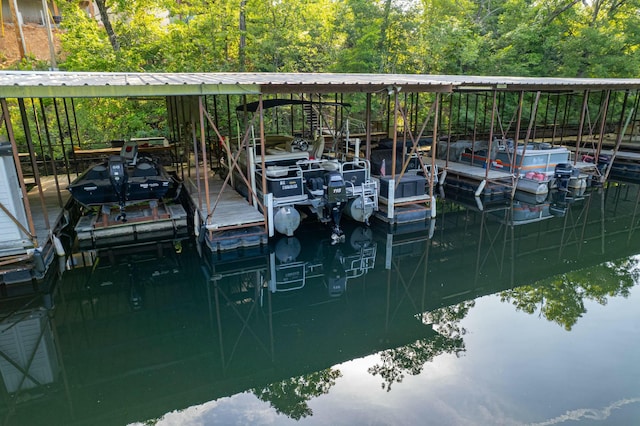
(38, 84)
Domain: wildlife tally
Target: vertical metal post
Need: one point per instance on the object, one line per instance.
(368, 127)
(395, 132)
(205, 166)
(603, 124)
(516, 136)
(555, 121)
(38, 132)
(583, 113)
(32, 159)
(262, 147)
(61, 134)
(66, 114)
(534, 112)
(197, 161)
(51, 154)
(492, 123)
(433, 153)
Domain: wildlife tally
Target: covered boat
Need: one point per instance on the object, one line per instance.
(124, 179)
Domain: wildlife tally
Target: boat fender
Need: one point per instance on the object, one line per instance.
(196, 223)
(58, 246)
(38, 260)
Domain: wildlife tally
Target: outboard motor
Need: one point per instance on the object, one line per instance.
(563, 172)
(118, 177)
(336, 195)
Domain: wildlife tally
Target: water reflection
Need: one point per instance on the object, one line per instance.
(290, 396)
(410, 359)
(561, 298)
(135, 335)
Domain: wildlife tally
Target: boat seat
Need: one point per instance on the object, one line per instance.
(277, 171)
(330, 165)
(97, 173)
(144, 170)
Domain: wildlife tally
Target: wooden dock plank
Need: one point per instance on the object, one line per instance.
(232, 208)
(473, 172)
(622, 155)
(54, 211)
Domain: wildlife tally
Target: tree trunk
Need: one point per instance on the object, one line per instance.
(113, 39)
(242, 26)
(383, 43)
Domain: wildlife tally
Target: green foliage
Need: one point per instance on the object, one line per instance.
(501, 37)
(509, 37)
(31, 63)
(119, 119)
(84, 42)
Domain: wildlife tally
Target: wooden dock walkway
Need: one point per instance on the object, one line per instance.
(473, 172)
(48, 214)
(232, 222)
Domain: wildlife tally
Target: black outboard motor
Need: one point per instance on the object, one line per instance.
(563, 172)
(118, 177)
(336, 195)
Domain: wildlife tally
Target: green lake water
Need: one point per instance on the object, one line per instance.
(493, 314)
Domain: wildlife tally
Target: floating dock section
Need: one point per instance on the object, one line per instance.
(476, 180)
(146, 222)
(404, 201)
(229, 221)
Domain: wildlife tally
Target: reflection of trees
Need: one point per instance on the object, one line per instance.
(561, 298)
(290, 396)
(411, 358)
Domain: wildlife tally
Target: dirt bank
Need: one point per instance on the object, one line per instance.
(36, 40)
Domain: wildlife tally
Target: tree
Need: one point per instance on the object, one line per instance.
(104, 17)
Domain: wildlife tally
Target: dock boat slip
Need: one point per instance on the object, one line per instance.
(300, 178)
(122, 180)
(536, 166)
(128, 200)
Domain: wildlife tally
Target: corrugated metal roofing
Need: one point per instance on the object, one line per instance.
(23, 84)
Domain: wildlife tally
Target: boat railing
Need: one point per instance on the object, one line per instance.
(357, 164)
(285, 182)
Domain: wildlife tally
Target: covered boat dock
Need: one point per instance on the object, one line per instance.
(421, 116)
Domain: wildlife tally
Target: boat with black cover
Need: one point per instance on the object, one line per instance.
(124, 179)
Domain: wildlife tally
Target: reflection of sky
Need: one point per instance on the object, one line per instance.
(517, 369)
